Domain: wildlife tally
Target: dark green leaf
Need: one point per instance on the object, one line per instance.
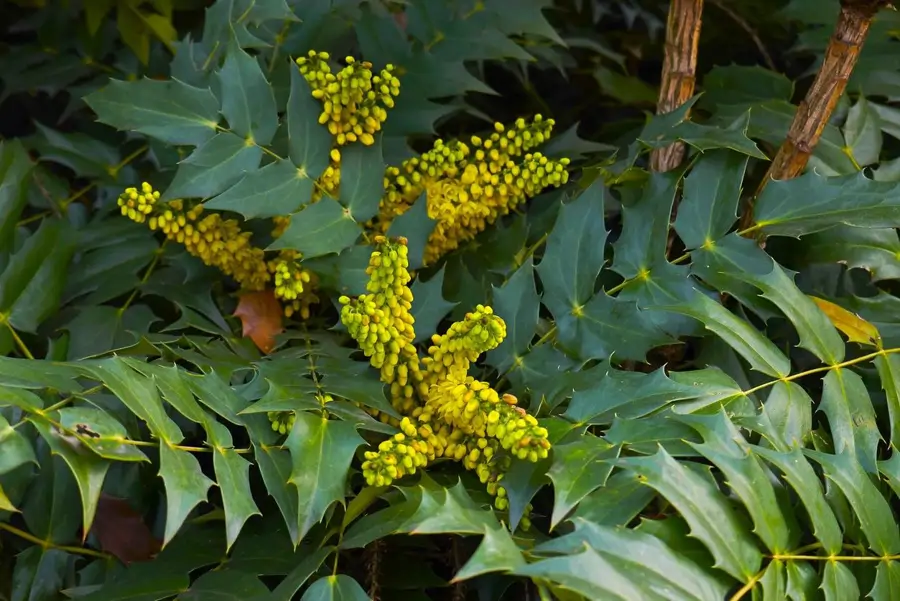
(362, 179)
(321, 450)
(335, 588)
(789, 410)
(320, 229)
(659, 569)
(851, 417)
(574, 254)
(225, 585)
(16, 448)
(416, 226)
(26, 264)
(100, 432)
(448, 510)
(887, 580)
(233, 475)
(496, 553)
(213, 167)
(817, 334)
(300, 574)
(803, 479)
(186, 487)
(518, 303)
(736, 84)
(863, 133)
(310, 142)
(579, 468)
(760, 352)
(725, 447)
(607, 325)
(276, 190)
(142, 582)
(247, 99)
(874, 512)
(711, 195)
(169, 110)
(812, 203)
(429, 306)
(838, 582)
(15, 167)
(89, 469)
(705, 137)
(39, 574)
(587, 573)
(642, 243)
(366, 390)
(706, 509)
(617, 503)
(877, 250)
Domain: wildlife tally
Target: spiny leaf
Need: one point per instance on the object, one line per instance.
(17, 449)
(100, 432)
(186, 487)
(213, 167)
(444, 510)
(261, 317)
(309, 141)
(759, 351)
(803, 479)
(817, 335)
(518, 303)
(277, 189)
(247, 99)
(429, 306)
(497, 552)
(226, 585)
(579, 468)
(416, 226)
(321, 450)
(574, 254)
(15, 167)
(812, 203)
(144, 582)
(853, 326)
(851, 416)
(708, 512)
(863, 133)
(642, 244)
(89, 470)
(726, 448)
(300, 574)
(789, 410)
(362, 179)
(711, 195)
(888, 367)
(871, 508)
(233, 475)
(335, 588)
(838, 582)
(608, 325)
(877, 250)
(659, 569)
(169, 110)
(319, 229)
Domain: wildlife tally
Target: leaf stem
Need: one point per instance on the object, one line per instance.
(19, 342)
(50, 545)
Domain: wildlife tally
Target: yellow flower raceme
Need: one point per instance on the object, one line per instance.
(470, 186)
(354, 100)
(446, 413)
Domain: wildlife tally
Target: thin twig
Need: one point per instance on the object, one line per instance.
(743, 24)
(678, 72)
(827, 88)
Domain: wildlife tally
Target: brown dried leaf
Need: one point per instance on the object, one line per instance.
(261, 316)
(122, 532)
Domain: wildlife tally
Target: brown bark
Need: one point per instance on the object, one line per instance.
(816, 109)
(678, 72)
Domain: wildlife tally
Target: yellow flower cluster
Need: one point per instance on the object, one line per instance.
(355, 100)
(382, 323)
(221, 243)
(217, 242)
(470, 186)
(445, 412)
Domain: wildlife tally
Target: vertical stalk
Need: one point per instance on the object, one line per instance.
(678, 72)
(817, 107)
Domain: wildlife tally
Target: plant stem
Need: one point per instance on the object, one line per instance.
(49, 545)
(827, 88)
(678, 72)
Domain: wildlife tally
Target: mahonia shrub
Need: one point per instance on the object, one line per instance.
(319, 300)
